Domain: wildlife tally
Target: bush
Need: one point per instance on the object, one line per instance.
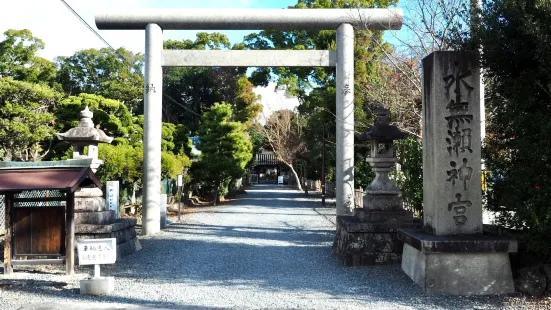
(410, 177)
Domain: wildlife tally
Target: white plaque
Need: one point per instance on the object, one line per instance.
(180, 180)
(97, 251)
(113, 196)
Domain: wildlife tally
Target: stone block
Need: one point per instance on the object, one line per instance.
(353, 225)
(90, 204)
(98, 229)
(369, 259)
(88, 192)
(92, 236)
(97, 218)
(382, 202)
(452, 196)
(97, 286)
(428, 243)
(459, 273)
(365, 215)
(127, 221)
(360, 248)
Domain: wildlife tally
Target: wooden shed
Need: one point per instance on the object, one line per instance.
(40, 210)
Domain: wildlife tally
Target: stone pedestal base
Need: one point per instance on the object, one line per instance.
(369, 237)
(458, 265)
(122, 229)
(97, 286)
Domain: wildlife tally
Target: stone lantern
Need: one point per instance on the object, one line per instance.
(93, 219)
(382, 193)
(370, 236)
(85, 134)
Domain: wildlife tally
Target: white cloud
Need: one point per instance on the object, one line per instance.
(273, 100)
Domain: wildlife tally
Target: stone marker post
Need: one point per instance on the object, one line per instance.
(451, 144)
(450, 255)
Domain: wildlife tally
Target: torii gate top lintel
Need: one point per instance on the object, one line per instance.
(250, 19)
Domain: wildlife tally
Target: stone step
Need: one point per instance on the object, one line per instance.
(97, 218)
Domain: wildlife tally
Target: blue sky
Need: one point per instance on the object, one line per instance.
(64, 34)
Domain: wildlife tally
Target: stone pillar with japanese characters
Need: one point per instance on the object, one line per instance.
(452, 195)
(452, 255)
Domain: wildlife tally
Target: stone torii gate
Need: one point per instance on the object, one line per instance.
(154, 21)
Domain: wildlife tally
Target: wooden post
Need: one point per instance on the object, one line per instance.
(70, 234)
(8, 203)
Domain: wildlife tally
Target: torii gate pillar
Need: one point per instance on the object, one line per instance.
(345, 120)
(152, 129)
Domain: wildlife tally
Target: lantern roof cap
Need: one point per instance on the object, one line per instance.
(85, 131)
(382, 130)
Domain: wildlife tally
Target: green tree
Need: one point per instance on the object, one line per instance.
(26, 119)
(172, 165)
(516, 36)
(112, 74)
(18, 58)
(225, 150)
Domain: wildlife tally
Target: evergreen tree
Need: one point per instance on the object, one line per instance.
(225, 150)
(26, 119)
(516, 40)
(18, 58)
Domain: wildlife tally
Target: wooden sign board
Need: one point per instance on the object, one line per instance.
(97, 251)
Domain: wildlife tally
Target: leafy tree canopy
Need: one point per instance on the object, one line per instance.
(112, 74)
(18, 58)
(26, 119)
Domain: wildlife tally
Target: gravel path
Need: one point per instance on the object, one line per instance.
(271, 249)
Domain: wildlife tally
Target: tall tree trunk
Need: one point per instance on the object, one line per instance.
(217, 191)
(297, 180)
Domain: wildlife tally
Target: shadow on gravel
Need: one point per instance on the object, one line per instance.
(292, 235)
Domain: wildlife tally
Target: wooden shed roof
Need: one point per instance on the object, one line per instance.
(63, 179)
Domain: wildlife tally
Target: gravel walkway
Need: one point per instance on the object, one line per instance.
(271, 249)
